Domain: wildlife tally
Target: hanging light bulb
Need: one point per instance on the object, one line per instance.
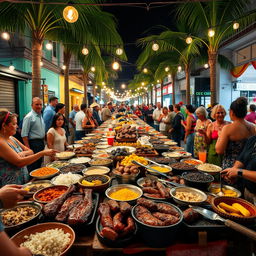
(11, 67)
(115, 65)
(123, 86)
(90, 82)
(85, 51)
(145, 70)
(103, 83)
(96, 86)
(70, 14)
(189, 40)
(93, 69)
(155, 47)
(41, 63)
(158, 81)
(169, 75)
(179, 68)
(236, 25)
(142, 83)
(64, 67)
(5, 36)
(211, 32)
(119, 51)
(49, 46)
(167, 69)
(206, 65)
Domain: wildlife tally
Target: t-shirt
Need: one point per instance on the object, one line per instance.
(251, 117)
(149, 116)
(156, 114)
(106, 114)
(72, 115)
(248, 158)
(78, 119)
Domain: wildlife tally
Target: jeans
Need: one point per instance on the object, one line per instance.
(36, 145)
(190, 143)
(177, 138)
(156, 126)
(79, 135)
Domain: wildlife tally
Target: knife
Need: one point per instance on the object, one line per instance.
(229, 223)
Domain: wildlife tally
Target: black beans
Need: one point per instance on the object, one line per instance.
(183, 166)
(198, 177)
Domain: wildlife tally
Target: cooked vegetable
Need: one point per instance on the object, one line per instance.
(124, 194)
(228, 208)
(44, 171)
(242, 209)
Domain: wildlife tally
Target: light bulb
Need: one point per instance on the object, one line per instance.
(90, 82)
(145, 70)
(142, 83)
(93, 69)
(96, 87)
(206, 65)
(167, 69)
(103, 83)
(211, 32)
(11, 67)
(41, 63)
(169, 75)
(49, 46)
(64, 67)
(179, 68)
(158, 81)
(155, 47)
(236, 25)
(85, 51)
(189, 40)
(5, 36)
(119, 51)
(115, 65)
(123, 86)
(70, 14)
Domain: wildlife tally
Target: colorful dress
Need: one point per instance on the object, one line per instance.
(11, 174)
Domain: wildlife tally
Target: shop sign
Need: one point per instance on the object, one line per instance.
(203, 93)
(170, 89)
(45, 93)
(165, 90)
(245, 86)
(158, 92)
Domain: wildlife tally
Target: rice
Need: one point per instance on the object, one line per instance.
(51, 242)
(66, 179)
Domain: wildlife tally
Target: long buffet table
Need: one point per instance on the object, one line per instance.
(203, 236)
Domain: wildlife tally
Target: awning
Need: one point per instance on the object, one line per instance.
(76, 90)
(239, 70)
(16, 74)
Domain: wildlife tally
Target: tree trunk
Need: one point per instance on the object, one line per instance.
(173, 87)
(94, 92)
(162, 96)
(85, 78)
(155, 95)
(147, 98)
(36, 68)
(67, 57)
(212, 59)
(187, 72)
(151, 95)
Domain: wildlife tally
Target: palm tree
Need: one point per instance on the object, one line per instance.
(218, 16)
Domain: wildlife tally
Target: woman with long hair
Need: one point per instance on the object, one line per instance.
(164, 121)
(89, 123)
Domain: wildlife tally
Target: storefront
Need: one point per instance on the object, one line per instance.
(202, 91)
(167, 95)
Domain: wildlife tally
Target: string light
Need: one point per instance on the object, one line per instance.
(119, 51)
(85, 51)
(49, 46)
(145, 70)
(123, 86)
(142, 83)
(41, 63)
(206, 65)
(93, 69)
(90, 82)
(189, 40)
(103, 83)
(158, 81)
(155, 47)
(179, 68)
(96, 87)
(64, 67)
(5, 36)
(211, 32)
(11, 67)
(167, 69)
(70, 14)
(236, 25)
(115, 65)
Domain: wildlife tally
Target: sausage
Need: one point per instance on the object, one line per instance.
(149, 204)
(105, 216)
(114, 206)
(109, 233)
(165, 208)
(125, 208)
(168, 219)
(164, 193)
(145, 216)
(190, 215)
(129, 228)
(150, 190)
(153, 195)
(117, 222)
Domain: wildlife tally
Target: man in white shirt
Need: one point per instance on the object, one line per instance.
(80, 132)
(156, 114)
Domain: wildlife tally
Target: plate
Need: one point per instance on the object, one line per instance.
(87, 138)
(90, 134)
(171, 143)
(103, 143)
(102, 146)
(58, 164)
(130, 149)
(45, 177)
(36, 185)
(99, 151)
(72, 146)
(209, 168)
(171, 154)
(80, 160)
(162, 137)
(65, 155)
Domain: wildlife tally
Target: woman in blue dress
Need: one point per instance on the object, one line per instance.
(14, 156)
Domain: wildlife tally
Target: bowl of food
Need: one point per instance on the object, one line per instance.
(199, 180)
(161, 147)
(96, 170)
(157, 231)
(165, 169)
(234, 208)
(44, 173)
(171, 154)
(188, 195)
(124, 193)
(65, 155)
(209, 168)
(96, 182)
(34, 186)
(99, 151)
(101, 155)
(54, 237)
(58, 164)
(191, 161)
(226, 190)
(126, 174)
(80, 160)
(170, 143)
(66, 179)
(102, 146)
(101, 162)
(73, 146)
(46, 195)
(74, 168)
(20, 215)
(180, 167)
(121, 150)
(163, 160)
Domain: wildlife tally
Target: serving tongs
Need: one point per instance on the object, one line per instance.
(229, 223)
(163, 174)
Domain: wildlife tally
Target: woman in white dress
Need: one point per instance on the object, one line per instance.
(56, 136)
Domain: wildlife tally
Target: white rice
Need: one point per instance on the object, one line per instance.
(66, 179)
(51, 242)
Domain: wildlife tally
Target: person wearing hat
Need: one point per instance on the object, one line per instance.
(106, 112)
(95, 113)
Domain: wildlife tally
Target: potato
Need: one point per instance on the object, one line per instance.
(121, 169)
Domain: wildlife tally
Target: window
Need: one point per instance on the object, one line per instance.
(54, 49)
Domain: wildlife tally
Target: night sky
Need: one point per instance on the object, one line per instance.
(133, 24)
